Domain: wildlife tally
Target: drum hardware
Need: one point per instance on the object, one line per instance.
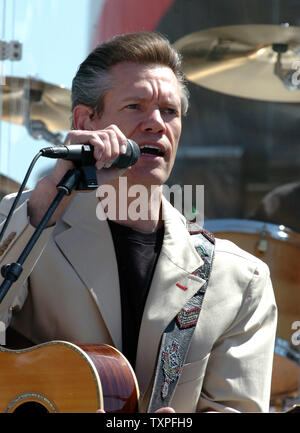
(250, 61)
(262, 245)
(286, 404)
(10, 50)
(37, 129)
(294, 409)
(287, 76)
(283, 348)
(41, 107)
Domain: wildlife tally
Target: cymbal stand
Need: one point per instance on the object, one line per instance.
(37, 129)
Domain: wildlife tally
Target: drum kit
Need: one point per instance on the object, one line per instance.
(260, 62)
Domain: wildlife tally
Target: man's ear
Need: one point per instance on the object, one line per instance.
(82, 117)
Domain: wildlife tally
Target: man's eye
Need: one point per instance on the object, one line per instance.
(171, 111)
(132, 106)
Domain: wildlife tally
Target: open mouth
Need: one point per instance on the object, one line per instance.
(151, 150)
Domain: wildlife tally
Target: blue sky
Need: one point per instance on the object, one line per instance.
(55, 37)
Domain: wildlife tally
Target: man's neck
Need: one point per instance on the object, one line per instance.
(141, 225)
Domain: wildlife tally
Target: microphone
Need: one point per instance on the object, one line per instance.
(82, 154)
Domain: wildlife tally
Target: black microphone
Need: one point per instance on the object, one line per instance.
(82, 154)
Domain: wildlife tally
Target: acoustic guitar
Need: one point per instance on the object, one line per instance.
(59, 376)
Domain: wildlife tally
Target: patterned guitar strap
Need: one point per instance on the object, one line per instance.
(177, 336)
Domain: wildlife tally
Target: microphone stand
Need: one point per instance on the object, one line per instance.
(81, 178)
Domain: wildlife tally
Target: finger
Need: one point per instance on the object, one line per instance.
(80, 136)
(107, 143)
(113, 146)
(85, 136)
(112, 143)
(122, 139)
(118, 143)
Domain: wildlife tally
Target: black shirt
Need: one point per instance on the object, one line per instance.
(137, 254)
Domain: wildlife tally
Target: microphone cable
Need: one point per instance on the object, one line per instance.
(21, 189)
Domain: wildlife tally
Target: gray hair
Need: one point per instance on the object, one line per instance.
(93, 80)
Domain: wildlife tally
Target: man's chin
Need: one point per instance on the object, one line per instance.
(148, 178)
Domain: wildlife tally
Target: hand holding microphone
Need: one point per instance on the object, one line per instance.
(83, 154)
(101, 148)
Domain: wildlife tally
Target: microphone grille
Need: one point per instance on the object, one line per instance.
(135, 150)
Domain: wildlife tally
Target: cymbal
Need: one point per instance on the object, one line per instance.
(28, 99)
(259, 62)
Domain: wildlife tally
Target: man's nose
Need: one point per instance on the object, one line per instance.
(154, 122)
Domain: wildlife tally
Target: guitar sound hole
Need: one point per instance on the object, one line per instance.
(30, 406)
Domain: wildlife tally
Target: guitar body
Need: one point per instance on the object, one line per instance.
(59, 376)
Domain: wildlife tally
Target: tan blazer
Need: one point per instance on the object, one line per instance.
(73, 294)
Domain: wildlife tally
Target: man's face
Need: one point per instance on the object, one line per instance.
(145, 103)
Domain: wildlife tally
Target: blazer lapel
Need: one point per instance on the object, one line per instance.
(93, 259)
(172, 285)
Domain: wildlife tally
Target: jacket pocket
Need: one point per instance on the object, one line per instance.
(193, 370)
(188, 390)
